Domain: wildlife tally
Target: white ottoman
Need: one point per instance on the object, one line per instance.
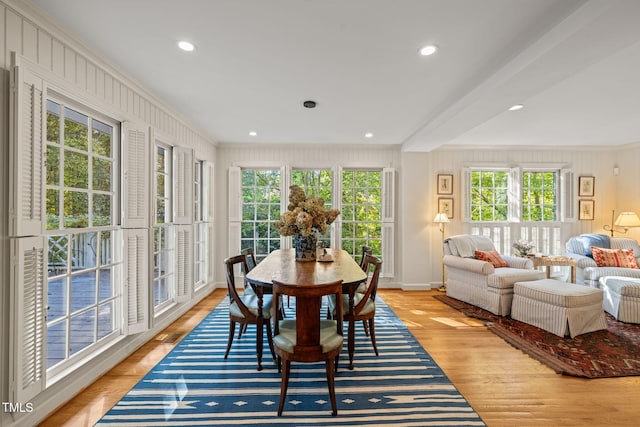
(558, 307)
(621, 298)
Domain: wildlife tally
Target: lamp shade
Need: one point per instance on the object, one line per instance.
(441, 218)
(628, 219)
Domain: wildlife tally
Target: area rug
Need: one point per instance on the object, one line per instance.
(194, 385)
(614, 352)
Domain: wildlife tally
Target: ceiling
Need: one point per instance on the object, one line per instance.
(573, 64)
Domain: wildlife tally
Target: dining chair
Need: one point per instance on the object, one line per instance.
(243, 309)
(366, 250)
(364, 303)
(307, 338)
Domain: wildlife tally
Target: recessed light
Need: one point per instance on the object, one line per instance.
(368, 135)
(186, 46)
(516, 107)
(253, 133)
(428, 50)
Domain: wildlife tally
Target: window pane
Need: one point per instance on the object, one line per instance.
(53, 209)
(101, 210)
(105, 320)
(101, 138)
(361, 211)
(76, 129)
(83, 290)
(57, 255)
(76, 169)
(56, 343)
(84, 251)
(56, 299)
(53, 165)
(76, 206)
(101, 174)
(53, 122)
(82, 331)
(106, 284)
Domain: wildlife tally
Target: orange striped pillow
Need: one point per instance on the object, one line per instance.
(614, 257)
(493, 257)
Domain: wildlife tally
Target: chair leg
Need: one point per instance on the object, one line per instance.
(331, 384)
(366, 328)
(242, 329)
(372, 334)
(270, 339)
(284, 385)
(232, 331)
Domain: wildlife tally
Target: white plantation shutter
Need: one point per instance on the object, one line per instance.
(388, 221)
(235, 208)
(211, 254)
(183, 185)
(466, 194)
(136, 270)
(337, 204)
(136, 186)
(286, 242)
(209, 193)
(28, 97)
(184, 262)
(567, 196)
(28, 316)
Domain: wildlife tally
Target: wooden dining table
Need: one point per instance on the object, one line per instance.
(282, 266)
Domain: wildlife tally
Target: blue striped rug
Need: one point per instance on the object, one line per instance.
(194, 385)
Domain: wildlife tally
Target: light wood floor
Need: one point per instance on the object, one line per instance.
(505, 386)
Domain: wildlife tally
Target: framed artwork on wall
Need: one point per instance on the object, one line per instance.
(445, 184)
(445, 206)
(586, 209)
(586, 186)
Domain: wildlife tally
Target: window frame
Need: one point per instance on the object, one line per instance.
(163, 247)
(71, 274)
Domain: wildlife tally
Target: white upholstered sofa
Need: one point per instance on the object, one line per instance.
(587, 271)
(478, 282)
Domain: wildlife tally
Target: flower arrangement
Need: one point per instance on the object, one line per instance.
(523, 247)
(305, 215)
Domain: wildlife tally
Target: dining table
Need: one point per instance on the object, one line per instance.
(281, 265)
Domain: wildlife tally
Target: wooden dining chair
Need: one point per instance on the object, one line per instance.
(366, 250)
(307, 338)
(243, 309)
(364, 303)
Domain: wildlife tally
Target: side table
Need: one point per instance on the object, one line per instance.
(549, 261)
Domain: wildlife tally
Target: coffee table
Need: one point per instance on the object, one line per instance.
(549, 261)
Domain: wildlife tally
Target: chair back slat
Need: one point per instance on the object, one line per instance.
(230, 264)
(372, 288)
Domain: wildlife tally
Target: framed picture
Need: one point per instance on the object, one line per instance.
(586, 185)
(445, 205)
(586, 208)
(445, 184)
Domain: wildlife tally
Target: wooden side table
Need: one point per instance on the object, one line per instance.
(549, 261)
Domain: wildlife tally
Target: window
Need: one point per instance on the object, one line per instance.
(361, 211)
(163, 245)
(526, 195)
(260, 209)
(489, 195)
(200, 226)
(539, 195)
(316, 183)
(81, 185)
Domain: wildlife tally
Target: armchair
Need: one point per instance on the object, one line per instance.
(587, 270)
(478, 282)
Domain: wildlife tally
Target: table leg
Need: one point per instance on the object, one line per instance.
(548, 268)
(573, 274)
(259, 327)
(352, 328)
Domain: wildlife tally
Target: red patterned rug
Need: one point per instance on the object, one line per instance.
(614, 352)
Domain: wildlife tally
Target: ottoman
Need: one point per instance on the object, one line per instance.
(621, 298)
(558, 307)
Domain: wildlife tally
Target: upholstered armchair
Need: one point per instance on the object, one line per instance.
(588, 272)
(479, 282)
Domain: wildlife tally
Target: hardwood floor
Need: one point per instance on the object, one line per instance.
(505, 386)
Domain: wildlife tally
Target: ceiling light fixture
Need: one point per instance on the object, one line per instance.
(516, 107)
(368, 135)
(253, 133)
(186, 46)
(428, 50)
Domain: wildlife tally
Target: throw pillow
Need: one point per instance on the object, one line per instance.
(493, 257)
(614, 257)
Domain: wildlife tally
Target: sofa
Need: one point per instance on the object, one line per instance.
(587, 270)
(479, 282)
